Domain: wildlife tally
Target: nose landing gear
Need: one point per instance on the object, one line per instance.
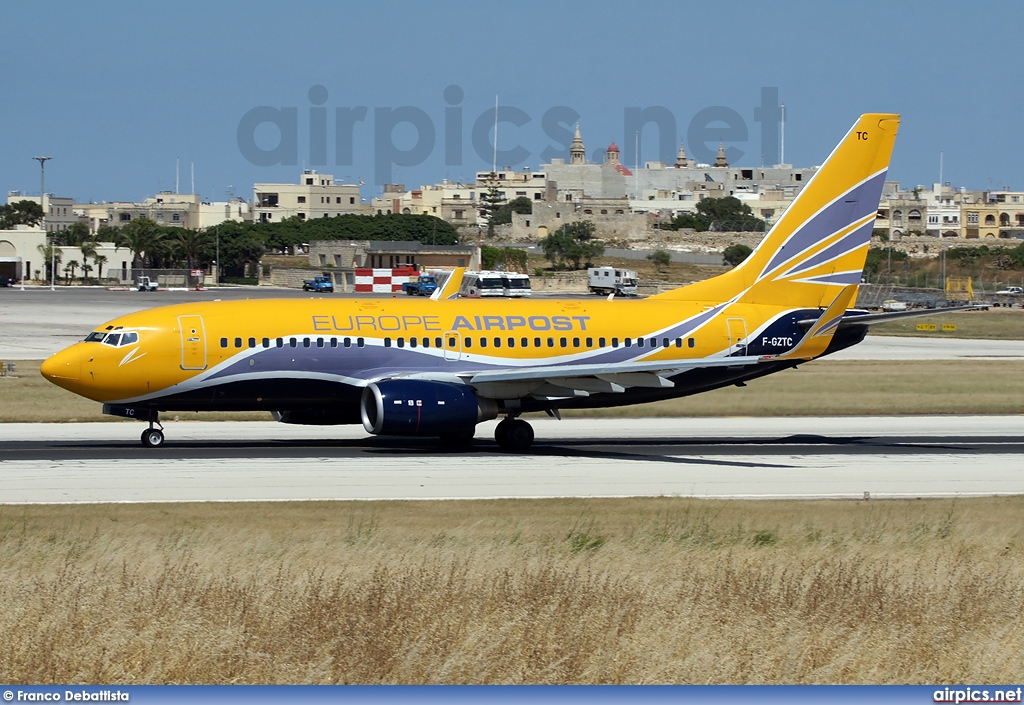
(513, 434)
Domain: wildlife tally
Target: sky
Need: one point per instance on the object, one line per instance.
(392, 92)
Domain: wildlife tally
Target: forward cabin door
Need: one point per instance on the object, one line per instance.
(737, 336)
(193, 342)
(452, 345)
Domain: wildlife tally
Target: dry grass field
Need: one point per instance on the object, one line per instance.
(534, 591)
(854, 388)
(994, 324)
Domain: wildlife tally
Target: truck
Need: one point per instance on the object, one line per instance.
(321, 283)
(425, 285)
(146, 284)
(609, 280)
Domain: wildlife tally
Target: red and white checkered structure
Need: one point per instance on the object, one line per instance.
(383, 281)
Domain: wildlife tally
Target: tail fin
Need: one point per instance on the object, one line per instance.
(450, 288)
(821, 241)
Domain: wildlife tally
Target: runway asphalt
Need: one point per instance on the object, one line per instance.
(838, 457)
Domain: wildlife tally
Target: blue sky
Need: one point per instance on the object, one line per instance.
(116, 91)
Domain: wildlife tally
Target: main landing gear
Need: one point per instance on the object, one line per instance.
(153, 437)
(513, 434)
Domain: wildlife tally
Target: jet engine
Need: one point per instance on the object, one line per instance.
(412, 407)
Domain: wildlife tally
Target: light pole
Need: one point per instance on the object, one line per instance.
(42, 195)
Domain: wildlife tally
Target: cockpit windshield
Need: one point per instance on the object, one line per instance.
(116, 340)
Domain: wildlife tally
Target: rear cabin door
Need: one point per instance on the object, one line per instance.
(737, 336)
(193, 342)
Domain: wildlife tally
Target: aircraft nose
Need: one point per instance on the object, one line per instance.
(65, 365)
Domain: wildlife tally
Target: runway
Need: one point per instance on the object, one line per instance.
(886, 457)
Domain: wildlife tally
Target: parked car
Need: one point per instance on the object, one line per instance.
(6, 281)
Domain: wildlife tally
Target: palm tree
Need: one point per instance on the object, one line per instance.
(71, 265)
(88, 249)
(47, 251)
(142, 236)
(100, 260)
(75, 235)
(192, 246)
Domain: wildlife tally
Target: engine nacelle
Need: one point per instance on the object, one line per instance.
(413, 407)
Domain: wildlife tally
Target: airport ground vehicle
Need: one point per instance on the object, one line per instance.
(482, 285)
(425, 285)
(146, 284)
(6, 281)
(515, 285)
(320, 283)
(609, 280)
(439, 366)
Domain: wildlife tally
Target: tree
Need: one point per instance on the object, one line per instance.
(75, 235)
(69, 269)
(100, 260)
(142, 237)
(192, 246)
(20, 213)
(572, 245)
(660, 258)
(735, 254)
(491, 201)
(48, 251)
(521, 205)
(88, 249)
(503, 258)
(727, 214)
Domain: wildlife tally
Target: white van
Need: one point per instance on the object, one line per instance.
(482, 284)
(608, 280)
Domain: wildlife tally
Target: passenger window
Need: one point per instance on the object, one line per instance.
(334, 342)
(451, 342)
(575, 342)
(497, 342)
(639, 342)
(467, 342)
(590, 342)
(412, 342)
(305, 342)
(360, 342)
(292, 342)
(551, 342)
(483, 342)
(628, 342)
(319, 342)
(536, 342)
(691, 342)
(601, 342)
(348, 342)
(665, 343)
(387, 342)
(563, 342)
(511, 342)
(266, 342)
(252, 342)
(438, 342)
(238, 342)
(615, 342)
(223, 342)
(525, 342)
(679, 342)
(401, 342)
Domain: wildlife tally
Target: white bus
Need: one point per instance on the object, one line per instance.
(516, 285)
(482, 284)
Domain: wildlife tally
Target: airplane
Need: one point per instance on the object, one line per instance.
(439, 367)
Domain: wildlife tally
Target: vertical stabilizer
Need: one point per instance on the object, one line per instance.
(820, 243)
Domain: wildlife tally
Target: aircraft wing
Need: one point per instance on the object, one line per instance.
(560, 381)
